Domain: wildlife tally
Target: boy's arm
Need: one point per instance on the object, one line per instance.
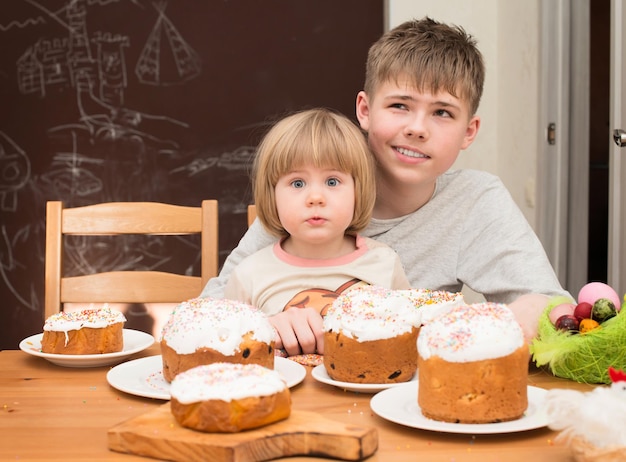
(255, 239)
(501, 257)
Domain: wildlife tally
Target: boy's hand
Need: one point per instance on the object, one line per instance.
(528, 309)
(299, 331)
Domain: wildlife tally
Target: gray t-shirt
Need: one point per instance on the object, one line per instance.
(471, 232)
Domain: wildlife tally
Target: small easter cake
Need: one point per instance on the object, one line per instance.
(228, 398)
(207, 330)
(370, 336)
(86, 332)
(473, 365)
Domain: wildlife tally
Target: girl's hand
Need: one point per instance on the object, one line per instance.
(299, 331)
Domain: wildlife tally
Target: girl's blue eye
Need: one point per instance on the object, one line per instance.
(297, 183)
(332, 182)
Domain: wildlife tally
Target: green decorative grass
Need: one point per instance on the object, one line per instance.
(580, 357)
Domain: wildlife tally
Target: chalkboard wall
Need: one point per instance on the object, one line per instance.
(105, 100)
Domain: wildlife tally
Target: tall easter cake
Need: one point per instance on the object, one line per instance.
(370, 333)
(473, 365)
(207, 330)
(226, 397)
(90, 331)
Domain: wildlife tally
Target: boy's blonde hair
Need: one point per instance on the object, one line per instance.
(433, 55)
(316, 137)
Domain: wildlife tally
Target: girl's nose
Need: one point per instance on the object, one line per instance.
(315, 198)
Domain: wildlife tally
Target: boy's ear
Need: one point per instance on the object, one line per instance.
(471, 131)
(362, 110)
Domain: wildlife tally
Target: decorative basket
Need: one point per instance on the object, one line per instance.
(584, 357)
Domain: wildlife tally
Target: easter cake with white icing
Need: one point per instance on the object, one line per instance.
(228, 398)
(473, 366)
(85, 332)
(207, 330)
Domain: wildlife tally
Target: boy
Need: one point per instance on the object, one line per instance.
(423, 85)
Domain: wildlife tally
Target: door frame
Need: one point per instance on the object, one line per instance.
(617, 162)
(564, 101)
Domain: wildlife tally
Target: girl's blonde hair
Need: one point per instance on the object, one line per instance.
(318, 137)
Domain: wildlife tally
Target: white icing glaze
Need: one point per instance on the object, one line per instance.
(96, 318)
(225, 382)
(218, 324)
(371, 313)
(471, 333)
(433, 303)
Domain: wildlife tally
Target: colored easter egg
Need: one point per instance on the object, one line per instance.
(595, 290)
(602, 310)
(587, 325)
(583, 311)
(567, 322)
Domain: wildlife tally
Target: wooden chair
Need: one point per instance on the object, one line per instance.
(115, 218)
(251, 214)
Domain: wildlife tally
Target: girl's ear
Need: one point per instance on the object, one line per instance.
(471, 132)
(362, 110)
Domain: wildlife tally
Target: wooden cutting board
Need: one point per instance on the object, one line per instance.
(157, 434)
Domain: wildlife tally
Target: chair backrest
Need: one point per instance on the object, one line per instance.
(251, 214)
(115, 218)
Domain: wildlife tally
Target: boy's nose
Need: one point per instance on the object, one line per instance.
(416, 128)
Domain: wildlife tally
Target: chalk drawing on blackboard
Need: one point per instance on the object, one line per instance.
(14, 172)
(148, 68)
(95, 66)
(68, 175)
(104, 121)
(9, 264)
(70, 60)
(16, 24)
(236, 160)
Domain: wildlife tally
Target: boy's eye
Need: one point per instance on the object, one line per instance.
(398, 106)
(442, 113)
(297, 183)
(332, 181)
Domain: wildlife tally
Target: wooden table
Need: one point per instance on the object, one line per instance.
(49, 412)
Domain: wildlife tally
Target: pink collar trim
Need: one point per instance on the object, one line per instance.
(361, 248)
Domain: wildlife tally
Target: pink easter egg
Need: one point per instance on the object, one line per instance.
(560, 310)
(594, 290)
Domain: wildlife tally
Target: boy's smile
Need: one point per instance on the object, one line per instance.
(415, 135)
(411, 153)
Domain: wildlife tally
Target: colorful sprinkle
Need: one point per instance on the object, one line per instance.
(65, 321)
(470, 333)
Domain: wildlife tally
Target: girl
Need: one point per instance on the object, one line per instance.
(314, 189)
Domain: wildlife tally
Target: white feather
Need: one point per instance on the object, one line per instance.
(599, 416)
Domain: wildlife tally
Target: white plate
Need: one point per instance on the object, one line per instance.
(399, 405)
(144, 376)
(319, 373)
(134, 342)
